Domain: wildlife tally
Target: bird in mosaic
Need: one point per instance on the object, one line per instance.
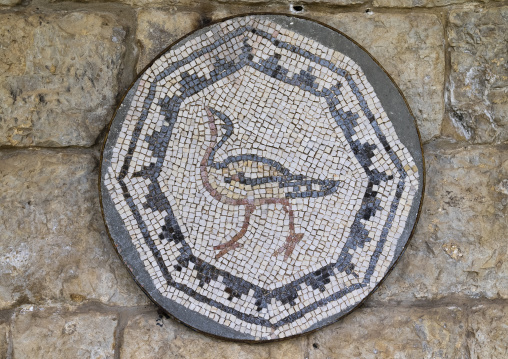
(250, 180)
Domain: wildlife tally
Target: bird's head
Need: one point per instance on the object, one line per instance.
(237, 177)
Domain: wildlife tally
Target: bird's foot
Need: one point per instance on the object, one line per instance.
(226, 247)
(289, 246)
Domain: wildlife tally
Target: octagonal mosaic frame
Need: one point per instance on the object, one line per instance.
(405, 129)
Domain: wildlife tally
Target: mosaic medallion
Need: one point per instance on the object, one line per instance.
(261, 177)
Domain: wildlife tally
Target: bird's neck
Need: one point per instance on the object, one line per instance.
(209, 153)
(215, 144)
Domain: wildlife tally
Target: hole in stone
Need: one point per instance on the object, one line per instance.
(297, 8)
(205, 20)
(368, 11)
(162, 314)
(315, 346)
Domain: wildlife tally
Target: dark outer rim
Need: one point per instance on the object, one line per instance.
(394, 261)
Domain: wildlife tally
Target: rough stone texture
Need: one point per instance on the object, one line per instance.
(487, 331)
(4, 340)
(255, 5)
(153, 336)
(52, 333)
(53, 242)
(296, 3)
(460, 246)
(478, 88)
(410, 48)
(9, 2)
(58, 77)
(157, 29)
(393, 333)
(420, 3)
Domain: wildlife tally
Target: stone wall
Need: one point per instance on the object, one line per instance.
(64, 293)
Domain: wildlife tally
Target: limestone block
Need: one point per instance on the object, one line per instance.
(393, 333)
(295, 3)
(58, 77)
(262, 5)
(152, 335)
(4, 339)
(40, 332)
(9, 2)
(460, 247)
(53, 242)
(420, 3)
(478, 84)
(157, 29)
(488, 331)
(410, 48)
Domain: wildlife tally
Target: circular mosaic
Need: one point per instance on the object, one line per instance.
(261, 177)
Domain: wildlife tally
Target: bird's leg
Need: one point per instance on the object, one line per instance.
(232, 244)
(293, 237)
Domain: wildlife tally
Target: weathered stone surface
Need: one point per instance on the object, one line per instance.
(478, 87)
(410, 48)
(9, 2)
(4, 340)
(53, 243)
(153, 336)
(58, 76)
(300, 5)
(419, 3)
(488, 331)
(393, 333)
(206, 5)
(157, 29)
(40, 332)
(460, 247)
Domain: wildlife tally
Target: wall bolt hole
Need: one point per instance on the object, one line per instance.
(297, 8)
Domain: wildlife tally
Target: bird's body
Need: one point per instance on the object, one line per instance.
(250, 180)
